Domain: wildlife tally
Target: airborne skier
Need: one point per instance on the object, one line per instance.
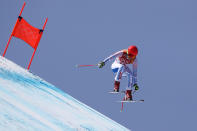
(120, 68)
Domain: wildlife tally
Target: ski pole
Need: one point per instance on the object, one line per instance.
(124, 99)
(122, 105)
(86, 65)
(134, 92)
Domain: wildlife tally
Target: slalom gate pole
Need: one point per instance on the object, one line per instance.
(13, 30)
(37, 42)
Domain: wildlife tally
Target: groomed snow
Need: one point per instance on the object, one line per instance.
(27, 103)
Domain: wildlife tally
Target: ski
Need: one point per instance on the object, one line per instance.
(133, 101)
(120, 92)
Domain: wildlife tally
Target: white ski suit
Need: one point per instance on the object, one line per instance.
(120, 67)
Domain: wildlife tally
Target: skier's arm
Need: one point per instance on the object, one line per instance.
(113, 56)
(135, 70)
(102, 63)
(135, 74)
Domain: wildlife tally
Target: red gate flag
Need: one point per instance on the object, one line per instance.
(26, 32)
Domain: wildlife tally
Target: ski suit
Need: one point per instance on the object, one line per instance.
(120, 67)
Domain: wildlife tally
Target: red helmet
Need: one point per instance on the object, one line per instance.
(132, 50)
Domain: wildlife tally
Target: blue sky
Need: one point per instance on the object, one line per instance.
(87, 31)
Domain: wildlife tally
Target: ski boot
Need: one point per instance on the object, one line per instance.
(116, 86)
(128, 95)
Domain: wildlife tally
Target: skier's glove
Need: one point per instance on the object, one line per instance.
(101, 64)
(136, 87)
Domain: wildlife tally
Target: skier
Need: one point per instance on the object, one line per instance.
(120, 68)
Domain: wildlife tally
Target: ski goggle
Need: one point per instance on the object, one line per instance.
(131, 55)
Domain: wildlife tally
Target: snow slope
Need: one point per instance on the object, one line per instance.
(27, 103)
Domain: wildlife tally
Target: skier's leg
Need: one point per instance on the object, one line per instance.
(118, 78)
(129, 78)
(118, 69)
(119, 73)
(128, 94)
